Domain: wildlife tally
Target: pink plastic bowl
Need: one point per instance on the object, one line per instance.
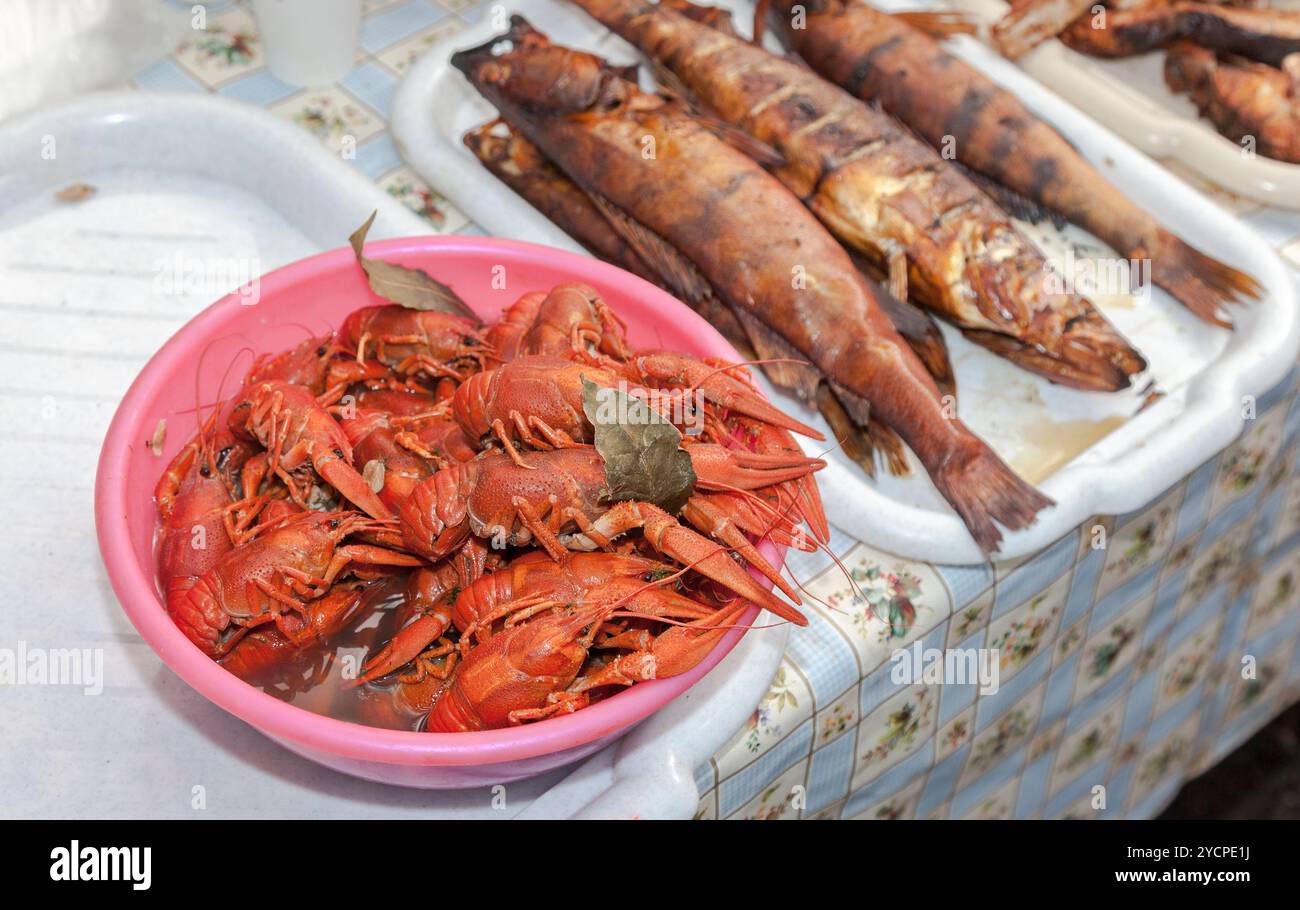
(208, 357)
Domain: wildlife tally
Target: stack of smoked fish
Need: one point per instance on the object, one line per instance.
(821, 207)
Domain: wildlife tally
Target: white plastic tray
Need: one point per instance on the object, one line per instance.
(1129, 95)
(1204, 371)
(202, 178)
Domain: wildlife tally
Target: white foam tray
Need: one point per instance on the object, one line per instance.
(202, 177)
(1204, 371)
(1129, 95)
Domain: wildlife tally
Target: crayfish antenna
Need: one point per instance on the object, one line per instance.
(780, 519)
(718, 386)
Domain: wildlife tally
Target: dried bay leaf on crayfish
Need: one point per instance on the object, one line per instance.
(412, 288)
(642, 451)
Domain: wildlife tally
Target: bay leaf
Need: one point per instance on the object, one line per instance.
(642, 450)
(413, 288)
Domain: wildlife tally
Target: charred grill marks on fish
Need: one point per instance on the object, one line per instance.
(886, 60)
(748, 242)
(882, 191)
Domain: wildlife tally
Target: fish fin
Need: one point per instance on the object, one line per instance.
(1092, 367)
(983, 489)
(802, 379)
(758, 25)
(886, 445)
(1199, 282)
(854, 440)
(922, 335)
(937, 24)
(917, 326)
(678, 274)
(898, 275)
(871, 436)
(765, 155)
(758, 31)
(890, 448)
(671, 86)
(858, 407)
(1011, 202)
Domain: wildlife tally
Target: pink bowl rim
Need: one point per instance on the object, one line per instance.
(139, 599)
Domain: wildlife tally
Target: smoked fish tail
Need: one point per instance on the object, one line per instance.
(981, 487)
(1201, 283)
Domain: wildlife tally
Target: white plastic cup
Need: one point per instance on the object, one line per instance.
(309, 42)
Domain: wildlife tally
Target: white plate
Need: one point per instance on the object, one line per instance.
(1129, 95)
(208, 180)
(1204, 371)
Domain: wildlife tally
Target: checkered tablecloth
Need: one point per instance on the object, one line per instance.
(1133, 653)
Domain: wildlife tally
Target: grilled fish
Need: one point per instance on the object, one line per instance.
(887, 194)
(1242, 100)
(754, 242)
(883, 59)
(602, 229)
(1266, 35)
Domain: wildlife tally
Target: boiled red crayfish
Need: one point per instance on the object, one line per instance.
(301, 437)
(410, 341)
(536, 400)
(565, 490)
(201, 507)
(278, 572)
(268, 648)
(533, 580)
(529, 672)
(572, 318)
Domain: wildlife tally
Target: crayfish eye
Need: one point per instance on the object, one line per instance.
(334, 524)
(338, 453)
(320, 351)
(204, 471)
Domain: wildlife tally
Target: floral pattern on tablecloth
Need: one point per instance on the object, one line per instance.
(1142, 663)
(1132, 654)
